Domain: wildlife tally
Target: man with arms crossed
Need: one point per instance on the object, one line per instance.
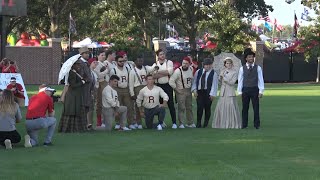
(181, 82)
(162, 77)
(111, 105)
(149, 104)
(123, 89)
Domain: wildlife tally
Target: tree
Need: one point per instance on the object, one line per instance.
(191, 12)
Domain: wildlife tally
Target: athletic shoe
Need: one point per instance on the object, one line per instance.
(159, 127)
(117, 126)
(8, 144)
(103, 125)
(174, 126)
(89, 126)
(125, 129)
(136, 125)
(181, 126)
(27, 141)
(132, 127)
(140, 126)
(163, 125)
(191, 126)
(48, 144)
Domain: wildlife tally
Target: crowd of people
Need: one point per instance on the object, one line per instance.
(127, 92)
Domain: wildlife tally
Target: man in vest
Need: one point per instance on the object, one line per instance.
(123, 89)
(137, 81)
(149, 104)
(162, 76)
(205, 88)
(181, 82)
(85, 72)
(250, 86)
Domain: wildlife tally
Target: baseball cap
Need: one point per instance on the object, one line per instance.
(13, 79)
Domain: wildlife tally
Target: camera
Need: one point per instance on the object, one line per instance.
(55, 98)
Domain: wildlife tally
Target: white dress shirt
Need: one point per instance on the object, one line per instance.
(260, 79)
(214, 87)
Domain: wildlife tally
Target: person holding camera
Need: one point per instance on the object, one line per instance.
(9, 66)
(40, 115)
(17, 91)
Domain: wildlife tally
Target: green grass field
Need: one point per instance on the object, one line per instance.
(286, 147)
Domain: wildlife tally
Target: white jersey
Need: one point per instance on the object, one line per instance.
(123, 75)
(110, 97)
(101, 75)
(181, 79)
(137, 77)
(109, 66)
(166, 65)
(150, 98)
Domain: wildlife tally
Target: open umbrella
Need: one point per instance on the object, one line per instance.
(66, 67)
(218, 63)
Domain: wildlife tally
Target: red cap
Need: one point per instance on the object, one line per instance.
(121, 53)
(187, 59)
(91, 60)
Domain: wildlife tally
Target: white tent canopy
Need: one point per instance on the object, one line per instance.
(264, 37)
(87, 42)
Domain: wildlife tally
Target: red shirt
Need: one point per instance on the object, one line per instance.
(12, 69)
(39, 105)
(19, 88)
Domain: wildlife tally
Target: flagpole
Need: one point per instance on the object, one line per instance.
(69, 43)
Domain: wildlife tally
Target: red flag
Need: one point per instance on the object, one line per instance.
(279, 28)
(267, 18)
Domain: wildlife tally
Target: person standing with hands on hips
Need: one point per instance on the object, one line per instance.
(250, 87)
(205, 89)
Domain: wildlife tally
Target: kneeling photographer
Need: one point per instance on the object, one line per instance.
(40, 115)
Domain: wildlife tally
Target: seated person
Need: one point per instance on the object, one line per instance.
(17, 90)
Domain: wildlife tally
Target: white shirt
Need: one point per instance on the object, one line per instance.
(150, 98)
(101, 75)
(260, 79)
(136, 75)
(176, 82)
(167, 65)
(214, 87)
(110, 97)
(110, 66)
(123, 75)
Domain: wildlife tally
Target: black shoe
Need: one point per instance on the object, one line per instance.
(48, 144)
(198, 126)
(257, 127)
(244, 127)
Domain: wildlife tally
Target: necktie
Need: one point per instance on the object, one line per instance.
(203, 80)
(250, 66)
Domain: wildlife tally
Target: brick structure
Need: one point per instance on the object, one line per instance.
(257, 47)
(38, 65)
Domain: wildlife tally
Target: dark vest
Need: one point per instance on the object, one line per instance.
(250, 76)
(209, 80)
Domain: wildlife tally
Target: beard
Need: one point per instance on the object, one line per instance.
(120, 65)
(185, 68)
(139, 66)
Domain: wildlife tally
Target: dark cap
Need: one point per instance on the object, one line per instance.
(207, 61)
(13, 79)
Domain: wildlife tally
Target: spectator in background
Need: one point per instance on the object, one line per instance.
(9, 66)
(17, 91)
(93, 90)
(10, 115)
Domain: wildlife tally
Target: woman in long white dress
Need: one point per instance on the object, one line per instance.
(227, 114)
